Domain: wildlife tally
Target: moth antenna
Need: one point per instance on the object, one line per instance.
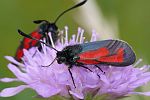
(30, 37)
(75, 6)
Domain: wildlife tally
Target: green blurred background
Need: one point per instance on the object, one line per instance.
(133, 23)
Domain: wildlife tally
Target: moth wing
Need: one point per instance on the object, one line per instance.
(111, 52)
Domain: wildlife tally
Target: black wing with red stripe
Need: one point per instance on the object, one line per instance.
(27, 43)
(111, 52)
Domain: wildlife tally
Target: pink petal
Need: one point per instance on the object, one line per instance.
(8, 79)
(140, 82)
(78, 95)
(141, 93)
(45, 90)
(28, 57)
(91, 86)
(11, 59)
(8, 92)
(105, 80)
(20, 75)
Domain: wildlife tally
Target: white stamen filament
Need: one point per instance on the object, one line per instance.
(73, 38)
(66, 37)
(138, 62)
(52, 42)
(93, 37)
(81, 36)
(78, 34)
(43, 45)
(62, 37)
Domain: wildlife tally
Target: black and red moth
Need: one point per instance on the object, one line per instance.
(42, 32)
(109, 52)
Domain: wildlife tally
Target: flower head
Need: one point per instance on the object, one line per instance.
(56, 80)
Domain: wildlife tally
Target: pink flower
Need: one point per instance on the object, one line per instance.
(55, 80)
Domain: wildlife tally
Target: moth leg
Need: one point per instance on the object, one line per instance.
(89, 70)
(100, 69)
(69, 69)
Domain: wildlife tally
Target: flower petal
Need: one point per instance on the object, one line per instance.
(8, 79)
(78, 94)
(141, 93)
(20, 75)
(8, 92)
(11, 59)
(105, 80)
(45, 90)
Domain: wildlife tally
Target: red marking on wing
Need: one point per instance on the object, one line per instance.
(37, 36)
(19, 54)
(27, 44)
(117, 58)
(89, 56)
(101, 55)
